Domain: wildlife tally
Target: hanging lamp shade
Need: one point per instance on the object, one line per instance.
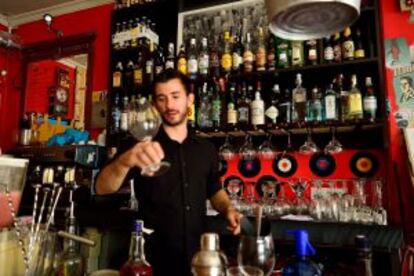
(310, 19)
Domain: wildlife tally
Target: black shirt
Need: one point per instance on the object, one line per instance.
(174, 204)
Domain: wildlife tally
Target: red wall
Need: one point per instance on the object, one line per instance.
(395, 25)
(95, 20)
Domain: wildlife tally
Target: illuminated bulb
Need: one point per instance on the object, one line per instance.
(3, 72)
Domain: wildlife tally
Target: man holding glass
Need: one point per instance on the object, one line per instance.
(173, 203)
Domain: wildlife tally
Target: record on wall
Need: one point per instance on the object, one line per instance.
(234, 186)
(249, 168)
(322, 164)
(268, 185)
(285, 165)
(364, 164)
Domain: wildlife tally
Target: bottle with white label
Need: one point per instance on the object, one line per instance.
(370, 101)
(192, 63)
(330, 104)
(257, 108)
(272, 111)
(299, 99)
(203, 58)
(355, 100)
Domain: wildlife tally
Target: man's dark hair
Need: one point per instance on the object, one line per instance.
(170, 74)
(408, 79)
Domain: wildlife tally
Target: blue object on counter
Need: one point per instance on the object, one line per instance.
(300, 264)
(70, 136)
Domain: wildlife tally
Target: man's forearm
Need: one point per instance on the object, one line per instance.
(110, 178)
(221, 202)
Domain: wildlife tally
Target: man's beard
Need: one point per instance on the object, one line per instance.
(182, 118)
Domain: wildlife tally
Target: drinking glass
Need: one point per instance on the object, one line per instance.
(257, 251)
(144, 122)
(226, 151)
(247, 150)
(266, 149)
(334, 146)
(309, 147)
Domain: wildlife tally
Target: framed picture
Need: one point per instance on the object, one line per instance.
(406, 5)
(238, 17)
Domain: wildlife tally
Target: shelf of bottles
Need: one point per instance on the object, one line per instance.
(258, 83)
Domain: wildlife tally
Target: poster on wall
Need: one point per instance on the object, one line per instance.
(397, 52)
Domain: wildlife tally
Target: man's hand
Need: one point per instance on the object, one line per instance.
(233, 217)
(142, 155)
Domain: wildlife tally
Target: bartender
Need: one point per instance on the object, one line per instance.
(174, 203)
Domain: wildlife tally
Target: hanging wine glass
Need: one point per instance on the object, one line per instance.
(226, 151)
(247, 150)
(309, 147)
(334, 146)
(144, 124)
(266, 149)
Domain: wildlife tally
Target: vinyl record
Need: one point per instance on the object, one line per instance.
(249, 168)
(267, 184)
(285, 165)
(233, 185)
(322, 164)
(363, 164)
(222, 167)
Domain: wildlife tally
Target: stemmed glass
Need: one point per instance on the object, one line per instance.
(266, 149)
(144, 122)
(334, 146)
(380, 214)
(226, 151)
(247, 151)
(309, 147)
(301, 205)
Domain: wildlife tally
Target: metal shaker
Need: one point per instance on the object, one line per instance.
(209, 261)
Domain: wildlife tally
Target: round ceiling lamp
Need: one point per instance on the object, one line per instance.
(310, 19)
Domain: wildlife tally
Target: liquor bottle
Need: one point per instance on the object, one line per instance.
(359, 47)
(191, 111)
(363, 266)
(124, 36)
(237, 56)
(337, 46)
(226, 62)
(159, 61)
(272, 111)
(355, 100)
(216, 110)
(71, 262)
(282, 49)
(170, 59)
(257, 108)
(115, 37)
(129, 77)
(116, 115)
(149, 65)
(203, 58)
(285, 108)
(243, 108)
(182, 60)
(117, 75)
(271, 54)
(260, 51)
(315, 108)
(299, 99)
(344, 98)
(138, 75)
(214, 60)
(248, 55)
(348, 46)
(312, 52)
(204, 110)
(134, 34)
(192, 62)
(328, 50)
(330, 104)
(136, 265)
(297, 53)
(231, 108)
(123, 122)
(370, 101)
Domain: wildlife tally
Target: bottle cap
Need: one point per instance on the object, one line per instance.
(138, 225)
(303, 246)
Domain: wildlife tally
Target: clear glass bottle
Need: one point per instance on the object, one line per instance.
(71, 262)
(170, 59)
(136, 265)
(299, 99)
(315, 108)
(330, 104)
(370, 101)
(203, 58)
(192, 63)
(257, 108)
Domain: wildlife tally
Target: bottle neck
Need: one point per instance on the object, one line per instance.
(136, 250)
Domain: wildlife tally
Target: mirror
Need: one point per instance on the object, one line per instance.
(58, 79)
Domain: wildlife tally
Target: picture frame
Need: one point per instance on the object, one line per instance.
(62, 78)
(211, 22)
(404, 6)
